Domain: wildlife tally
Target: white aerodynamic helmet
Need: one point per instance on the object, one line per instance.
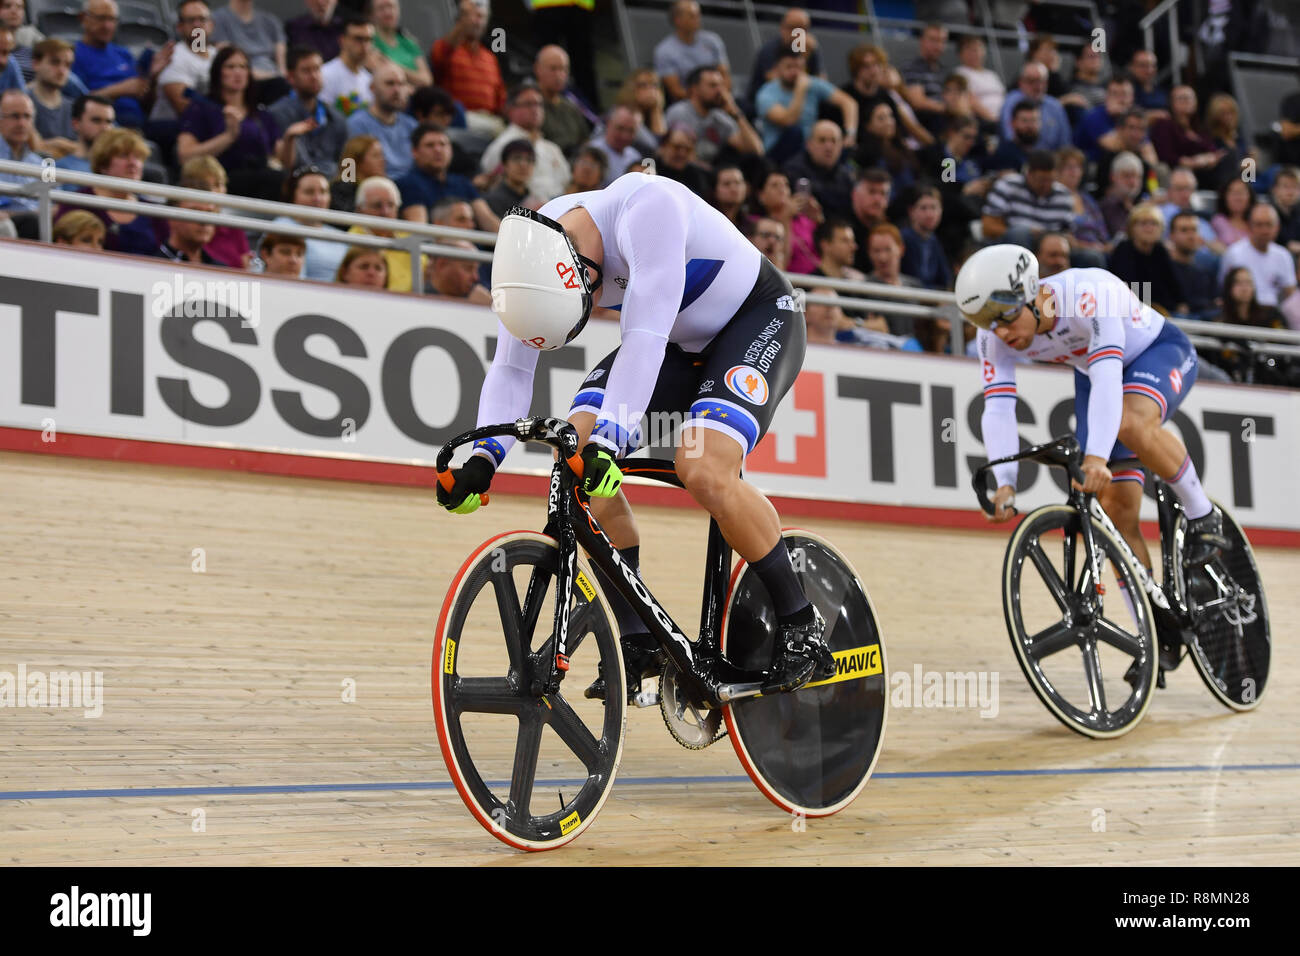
(995, 283)
(540, 288)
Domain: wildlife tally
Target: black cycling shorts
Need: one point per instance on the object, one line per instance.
(736, 382)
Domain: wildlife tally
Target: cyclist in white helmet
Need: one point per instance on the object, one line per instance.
(1132, 371)
(709, 329)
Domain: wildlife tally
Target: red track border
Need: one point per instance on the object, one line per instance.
(395, 473)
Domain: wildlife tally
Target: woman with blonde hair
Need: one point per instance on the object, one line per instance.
(363, 267)
(362, 157)
(121, 153)
(229, 245)
(80, 229)
(643, 92)
(1141, 257)
(1223, 125)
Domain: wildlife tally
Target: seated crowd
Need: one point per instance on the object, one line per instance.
(894, 176)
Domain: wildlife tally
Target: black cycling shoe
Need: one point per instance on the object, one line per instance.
(642, 657)
(800, 654)
(1205, 540)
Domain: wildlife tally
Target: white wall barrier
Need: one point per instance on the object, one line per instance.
(100, 345)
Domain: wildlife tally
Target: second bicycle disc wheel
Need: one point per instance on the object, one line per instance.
(812, 751)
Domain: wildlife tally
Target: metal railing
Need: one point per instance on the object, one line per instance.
(1147, 26)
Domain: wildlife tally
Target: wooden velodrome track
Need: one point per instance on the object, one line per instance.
(223, 694)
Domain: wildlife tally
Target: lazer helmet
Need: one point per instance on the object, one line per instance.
(996, 283)
(540, 288)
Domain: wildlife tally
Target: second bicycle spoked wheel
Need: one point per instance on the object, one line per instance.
(534, 769)
(811, 751)
(1098, 679)
(1232, 646)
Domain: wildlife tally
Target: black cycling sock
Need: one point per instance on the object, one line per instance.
(777, 574)
(626, 618)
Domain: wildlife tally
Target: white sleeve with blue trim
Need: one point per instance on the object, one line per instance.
(998, 423)
(507, 392)
(652, 239)
(1106, 375)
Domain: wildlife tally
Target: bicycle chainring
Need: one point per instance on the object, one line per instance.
(692, 727)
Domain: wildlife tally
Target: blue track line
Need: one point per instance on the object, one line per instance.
(624, 781)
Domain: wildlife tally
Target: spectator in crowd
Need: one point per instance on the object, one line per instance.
(1100, 120)
(1231, 218)
(452, 212)
(769, 237)
(931, 334)
(986, 88)
(914, 133)
(1033, 87)
(710, 112)
(320, 28)
(185, 238)
(590, 169)
(378, 196)
(397, 45)
(687, 48)
(91, 115)
(364, 267)
(564, 123)
(17, 116)
(261, 36)
(1123, 192)
(1288, 146)
(1270, 265)
(1140, 257)
(795, 19)
(1043, 49)
(957, 100)
(120, 153)
(824, 164)
(230, 126)
(52, 62)
(228, 245)
(881, 146)
(1178, 138)
(923, 255)
(428, 180)
(676, 160)
(432, 105)
(643, 94)
(345, 79)
(567, 25)
(867, 68)
(788, 106)
(11, 75)
(385, 118)
(187, 71)
(885, 250)
(730, 190)
(551, 170)
(870, 202)
(923, 78)
(1200, 300)
(1131, 133)
(1053, 253)
(283, 255)
(468, 70)
(1146, 92)
(13, 13)
(110, 70)
(308, 187)
(455, 277)
(1088, 234)
(1222, 122)
(1286, 200)
(961, 181)
(1022, 206)
(1178, 198)
(1240, 307)
(1026, 131)
(1086, 88)
(798, 216)
(324, 131)
(80, 229)
(837, 249)
(361, 158)
(616, 141)
(517, 160)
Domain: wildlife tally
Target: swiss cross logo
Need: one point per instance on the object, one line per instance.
(567, 274)
(1176, 380)
(1087, 305)
(796, 442)
(988, 371)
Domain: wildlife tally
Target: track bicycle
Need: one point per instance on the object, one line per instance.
(1216, 614)
(534, 760)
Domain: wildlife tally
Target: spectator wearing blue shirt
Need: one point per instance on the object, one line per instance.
(1096, 130)
(687, 48)
(788, 106)
(1026, 129)
(17, 119)
(323, 143)
(923, 256)
(428, 181)
(1033, 87)
(1146, 93)
(385, 117)
(11, 77)
(108, 69)
(91, 115)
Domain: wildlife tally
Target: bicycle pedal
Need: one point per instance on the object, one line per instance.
(646, 698)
